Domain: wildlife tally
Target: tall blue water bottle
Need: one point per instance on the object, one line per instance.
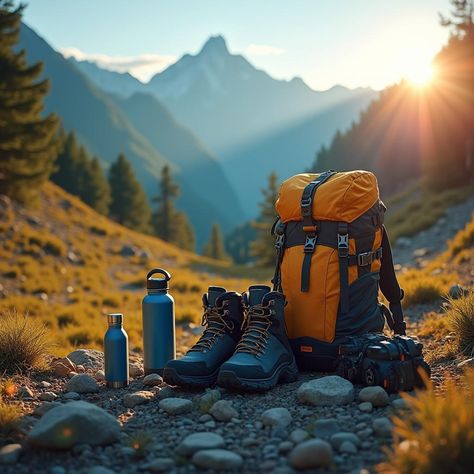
(158, 323)
(116, 352)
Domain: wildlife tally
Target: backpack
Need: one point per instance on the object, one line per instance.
(333, 253)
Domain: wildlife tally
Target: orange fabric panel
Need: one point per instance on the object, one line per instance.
(353, 269)
(344, 197)
(375, 267)
(312, 314)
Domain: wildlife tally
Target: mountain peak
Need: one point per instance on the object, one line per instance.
(215, 44)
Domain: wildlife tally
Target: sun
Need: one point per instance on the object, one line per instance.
(420, 74)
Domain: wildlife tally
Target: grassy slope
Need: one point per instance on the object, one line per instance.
(35, 264)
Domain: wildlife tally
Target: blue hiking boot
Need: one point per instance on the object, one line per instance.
(263, 356)
(222, 318)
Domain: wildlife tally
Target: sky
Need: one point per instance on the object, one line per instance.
(354, 43)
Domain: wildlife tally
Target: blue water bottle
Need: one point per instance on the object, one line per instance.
(158, 323)
(116, 352)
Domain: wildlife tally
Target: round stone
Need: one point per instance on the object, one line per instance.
(276, 417)
(366, 407)
(199, 441)
(382, 426)
(176, 406)
(326, 391)
(375, 395)
(222, 410)
(309, 454)
(82, 383)
(217, 459)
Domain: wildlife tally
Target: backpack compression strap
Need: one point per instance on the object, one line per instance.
(390, 287)
(309, 226)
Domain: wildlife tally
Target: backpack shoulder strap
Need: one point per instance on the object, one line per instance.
(390, 287)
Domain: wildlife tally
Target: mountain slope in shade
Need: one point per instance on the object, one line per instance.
(106, 131)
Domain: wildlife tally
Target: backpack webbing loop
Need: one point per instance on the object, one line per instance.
(278, 230)
(308, 223)
(343, 251)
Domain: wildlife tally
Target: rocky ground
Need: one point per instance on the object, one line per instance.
(318, 421)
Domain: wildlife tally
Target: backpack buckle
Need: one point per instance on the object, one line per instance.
(280, 240)
(310, 243)
(343, 244)
(364, 259)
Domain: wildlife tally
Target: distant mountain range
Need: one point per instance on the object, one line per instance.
(143, 129)
(253, 123)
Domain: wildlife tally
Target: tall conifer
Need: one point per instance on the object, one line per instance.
(29, 143)
(214, 248)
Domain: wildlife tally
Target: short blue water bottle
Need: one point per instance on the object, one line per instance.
(116, 352)
(158, 323)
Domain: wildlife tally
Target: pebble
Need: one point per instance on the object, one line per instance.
(131, 400)
(339, 438)
(53, 429)
(44, 384)
(326, 427)
(348, 447)
(326, 391)
(199, 441)
(10, 453)
(25, 392)
(62, 367)
(135, 370)
(365, 407)
(382, 426)
(299, 435)
(218, 459)
(309, 454)
(82, 383)
(176, 406)
(400, 404)
(100, 375)
(375, 395)
(276, 417)
(100, 470)
(285, 447)
(166, 392)
(47, 396)
(152, 380)
(159, 465)
(72, 396)
(222, 410)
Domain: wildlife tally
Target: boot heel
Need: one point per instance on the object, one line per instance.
(289, 374)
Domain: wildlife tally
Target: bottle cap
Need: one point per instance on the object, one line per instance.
(157, 283)
(115, 319)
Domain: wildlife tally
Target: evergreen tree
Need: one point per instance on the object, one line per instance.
(129, 205)
(170, 224)
(68, 165)
(95, 188)
(214, 248)
(29, 142)
(263, 247)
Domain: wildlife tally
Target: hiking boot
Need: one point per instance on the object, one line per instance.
(222, 318)
(263, 356)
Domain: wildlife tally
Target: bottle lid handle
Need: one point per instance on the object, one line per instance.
(166, 275)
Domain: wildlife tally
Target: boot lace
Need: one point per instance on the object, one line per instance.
(257, 322)
(215, 325)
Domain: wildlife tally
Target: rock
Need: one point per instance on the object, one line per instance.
(422, 252)
(44, 384)
(129, 251)
(80, 369)
(72, 396)
(400, 404)
(40, 410)
(339, 438)
(166, 392)
(299, 435)
(135, 370)
(375, 395)
(25, 392)
(100, 376)
(82, 383)
(366, 407)
(329, 390)
(348, 447)
(131, 400)
(74, 423)
(326, 427)
(10, 453)
(285, 447)
(217, 459)
(152, 380)
(206, 401)
(62, 367)
(199, 441)
(47, 396)
(159, 465)
(176, 406)
(276, 417)
(223, 410)
(382, 426)
(466, 363)
(57, 470)
(458, 291)
(313, 453)
(100, 470)
(90, 358)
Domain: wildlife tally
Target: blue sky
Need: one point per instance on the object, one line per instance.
(350, 42)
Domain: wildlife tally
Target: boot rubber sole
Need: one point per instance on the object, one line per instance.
(285, 373)
(172, 377)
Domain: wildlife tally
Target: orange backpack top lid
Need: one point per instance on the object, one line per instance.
(344, 197)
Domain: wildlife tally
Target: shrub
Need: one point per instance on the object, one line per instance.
(9, 416)
(79, 338)
(423, 290)
(8, 388)
(464, 239)
(461, 319)
(23, 343)
(437, 435)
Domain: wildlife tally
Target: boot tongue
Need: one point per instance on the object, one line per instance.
(212, 293)
(256, 293)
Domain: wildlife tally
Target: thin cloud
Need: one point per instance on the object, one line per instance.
(142, 66)
(263, 50)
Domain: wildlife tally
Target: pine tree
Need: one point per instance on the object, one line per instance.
(214, 248)
(29, 142)
(67, 165)
(129, 205)
(170, 224)
(263, 247)
(95, 188)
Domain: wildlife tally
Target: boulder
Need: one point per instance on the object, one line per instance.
(74, 423)
(82, 383)
(89, 358)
